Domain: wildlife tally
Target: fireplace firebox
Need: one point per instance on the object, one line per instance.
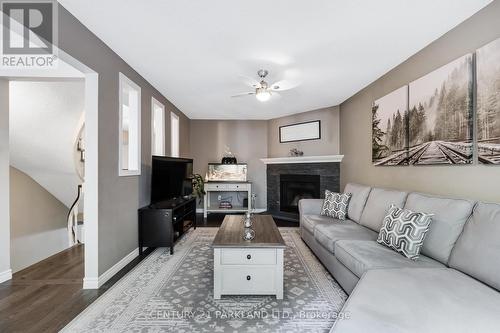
(296, 187)
(281, 196)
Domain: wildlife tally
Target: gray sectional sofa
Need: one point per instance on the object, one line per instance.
(452, 287)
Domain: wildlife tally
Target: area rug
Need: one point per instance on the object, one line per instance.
(174, 293)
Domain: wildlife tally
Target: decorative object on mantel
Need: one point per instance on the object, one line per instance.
(310, 130)
(218, 172)
(228, 157)
(294, 152)
(303, 159)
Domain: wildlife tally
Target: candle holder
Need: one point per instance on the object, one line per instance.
(248, 234)
(247, 221)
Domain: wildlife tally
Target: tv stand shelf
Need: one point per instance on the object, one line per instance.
(161, 224)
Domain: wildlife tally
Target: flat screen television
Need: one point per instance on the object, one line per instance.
(170, 178)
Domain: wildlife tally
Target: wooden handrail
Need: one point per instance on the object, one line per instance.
(71, 228)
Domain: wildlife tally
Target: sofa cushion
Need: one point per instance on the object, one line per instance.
(359, 195)
(308, 222)
(327, 234)
(420, 300)
(404, 231)
(335, 205)
(361, 256)
(447, 224)
(378, 204)
(477, 251)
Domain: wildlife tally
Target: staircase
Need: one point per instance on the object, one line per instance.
(75, 215)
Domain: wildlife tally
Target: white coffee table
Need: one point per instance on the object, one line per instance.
(248, 267)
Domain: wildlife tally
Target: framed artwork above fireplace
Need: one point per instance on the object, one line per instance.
(310, 130)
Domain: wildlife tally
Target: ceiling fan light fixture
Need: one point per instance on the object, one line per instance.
(262, 95)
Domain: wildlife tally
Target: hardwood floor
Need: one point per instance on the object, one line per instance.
(47, 295)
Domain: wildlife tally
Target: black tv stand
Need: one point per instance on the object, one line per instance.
(162, 223)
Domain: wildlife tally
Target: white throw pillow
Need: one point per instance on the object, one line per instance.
(335, 205)
(404, 231)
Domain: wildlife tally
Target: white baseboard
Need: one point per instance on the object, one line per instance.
(6, 275)
(256, 210)
(90, 283)
(96, 283)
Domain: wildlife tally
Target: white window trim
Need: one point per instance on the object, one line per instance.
(174, 115)
(121, 172)
(156, 103)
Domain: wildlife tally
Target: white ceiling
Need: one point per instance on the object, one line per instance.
(195, 51)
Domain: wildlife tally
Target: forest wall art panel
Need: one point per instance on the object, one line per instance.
(441, 115)
(389, 128)
(488, 103)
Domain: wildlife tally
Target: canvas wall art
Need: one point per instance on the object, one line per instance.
(218, 172)
(441, 114)
(389, 128)
(488, 103)
(309, 130)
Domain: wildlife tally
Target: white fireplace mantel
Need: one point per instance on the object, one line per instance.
(303, 159)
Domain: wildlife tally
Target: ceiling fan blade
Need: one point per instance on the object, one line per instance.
(275, 94)
(244, 94)
(251, 82)
(284, 85)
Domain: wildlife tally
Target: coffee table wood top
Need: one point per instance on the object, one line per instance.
(230, 233)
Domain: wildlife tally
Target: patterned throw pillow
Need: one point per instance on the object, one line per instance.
(335, 205)
(404, 231)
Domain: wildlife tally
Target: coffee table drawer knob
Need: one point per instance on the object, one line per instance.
(249, 277)
(249, 257)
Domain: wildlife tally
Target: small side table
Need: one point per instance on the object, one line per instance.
(226, 187)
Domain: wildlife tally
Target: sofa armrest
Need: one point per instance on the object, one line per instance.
(310, 206)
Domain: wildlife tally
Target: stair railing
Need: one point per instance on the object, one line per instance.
(73, 218)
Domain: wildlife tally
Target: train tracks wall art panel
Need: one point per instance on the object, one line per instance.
(428, 122)
(441, 115)
(488, 103)
(390, 128)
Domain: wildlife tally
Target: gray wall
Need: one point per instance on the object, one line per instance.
(37, 218)
(119, 197)
(330, 133)
(4, 178)
(477, 182)
(247, 139)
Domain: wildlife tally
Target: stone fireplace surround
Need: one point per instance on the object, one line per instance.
(327, 167)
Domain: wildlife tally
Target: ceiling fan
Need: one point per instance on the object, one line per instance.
(263, 90)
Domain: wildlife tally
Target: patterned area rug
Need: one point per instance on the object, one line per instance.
(174, 293)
